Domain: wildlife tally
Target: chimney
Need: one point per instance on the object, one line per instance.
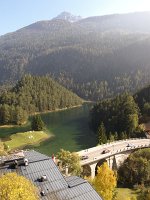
(43, 178)
(16, 164)
(43, 193)
(26, 162)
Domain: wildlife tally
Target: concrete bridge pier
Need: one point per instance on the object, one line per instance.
(93, 167)
(112, 162)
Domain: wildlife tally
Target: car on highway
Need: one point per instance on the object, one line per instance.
(84, 157)
(130, 145)
(105, 151)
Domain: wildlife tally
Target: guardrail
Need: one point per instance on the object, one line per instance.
(108, 144)
(112, 153)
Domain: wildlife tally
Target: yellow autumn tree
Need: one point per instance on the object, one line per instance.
(15, 187)
(105, 182)
(2, 150)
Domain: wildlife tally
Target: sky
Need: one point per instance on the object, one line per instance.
(15, 14)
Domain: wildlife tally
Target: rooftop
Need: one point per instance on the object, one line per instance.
(44, 173)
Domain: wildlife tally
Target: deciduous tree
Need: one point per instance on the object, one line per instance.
(15, 187)
(70, 160)
(105, 182)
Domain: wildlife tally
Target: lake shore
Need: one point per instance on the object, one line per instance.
(57, 110)
(43, 112)
(69, 128)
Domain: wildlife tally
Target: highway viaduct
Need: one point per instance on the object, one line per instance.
(116, 153)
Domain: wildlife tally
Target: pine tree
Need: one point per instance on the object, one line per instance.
(37, 123)
(101, 132)
(5, 114)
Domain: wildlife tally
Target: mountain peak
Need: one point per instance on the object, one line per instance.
(68, 17)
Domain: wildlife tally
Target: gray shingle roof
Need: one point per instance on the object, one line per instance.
(34, 156)
(74, 181)
(56, 186)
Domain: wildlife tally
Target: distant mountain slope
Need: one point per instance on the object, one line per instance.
(68, 17)
(134, 22)
(96, 57)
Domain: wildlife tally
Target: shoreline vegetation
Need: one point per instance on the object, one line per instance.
(43, 112)
(15, 140)
(62, 109)
(57, 110)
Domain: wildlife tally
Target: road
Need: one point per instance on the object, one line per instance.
(94, 154)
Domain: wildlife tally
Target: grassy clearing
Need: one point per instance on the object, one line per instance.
(6, 132)
(125, 193)
(26, 138)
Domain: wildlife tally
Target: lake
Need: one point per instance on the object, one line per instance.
(69, 127)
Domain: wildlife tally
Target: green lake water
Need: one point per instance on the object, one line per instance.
(69, 127)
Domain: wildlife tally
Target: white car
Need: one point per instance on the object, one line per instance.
(130, 145)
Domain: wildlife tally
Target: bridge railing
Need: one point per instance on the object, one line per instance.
(130, 148)
(112, 153)
(99, 147)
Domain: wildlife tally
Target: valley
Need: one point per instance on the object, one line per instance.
(70, 83)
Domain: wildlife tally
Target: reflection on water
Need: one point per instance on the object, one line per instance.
(71, 130)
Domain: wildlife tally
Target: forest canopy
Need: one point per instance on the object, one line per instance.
(117, 117)
(34, 94)
(136, 169)
(142, 98)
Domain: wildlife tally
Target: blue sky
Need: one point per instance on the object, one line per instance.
(15, 14)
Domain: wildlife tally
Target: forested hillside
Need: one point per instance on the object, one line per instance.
(117, 117)
(34, 94)
(96, 57)
(142, 97)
